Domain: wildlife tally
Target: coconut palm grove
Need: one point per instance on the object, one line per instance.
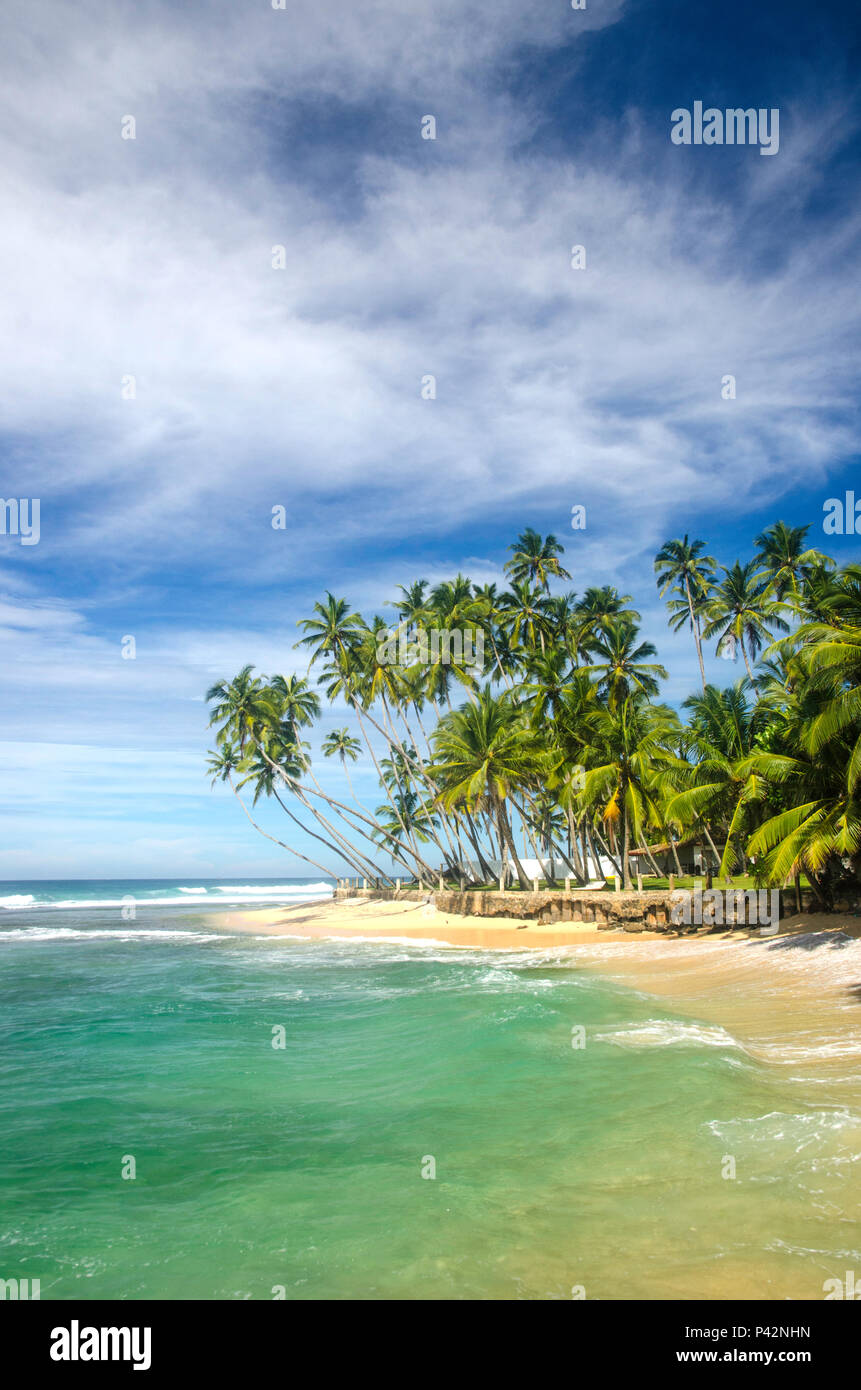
(531, 725)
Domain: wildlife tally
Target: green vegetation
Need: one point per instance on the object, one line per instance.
(552, 743)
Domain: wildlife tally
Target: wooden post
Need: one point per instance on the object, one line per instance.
(502, 883)
(535, 885)
(617, 883)
(672, 882)
(440, 883)
(364, 883)
(639, 882)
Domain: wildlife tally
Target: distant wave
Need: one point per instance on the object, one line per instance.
(249, 896)
(292, 888)
(104, 934)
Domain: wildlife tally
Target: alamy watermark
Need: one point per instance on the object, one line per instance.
(23, 1289)
(463, 647)
(727, 907)
(842, 517)
(20, 516)
(733, 126)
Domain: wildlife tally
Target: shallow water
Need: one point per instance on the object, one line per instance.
(556, 1166)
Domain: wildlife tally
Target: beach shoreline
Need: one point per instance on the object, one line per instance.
(369, 918)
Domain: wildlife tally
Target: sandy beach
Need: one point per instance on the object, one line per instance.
(361, 917)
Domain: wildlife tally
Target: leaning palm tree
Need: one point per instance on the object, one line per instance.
(334, 631)
(534, 560)
(224, 763)
(242, 706)
(299, 706)
(341, 743)
(681, 566)
(741, 612)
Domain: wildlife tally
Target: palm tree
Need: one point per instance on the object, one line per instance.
(740, 611)
(341, 743)
(819, 820)
(786, 562)
(720, 790)
(623, 667)
(412, 606)
(333, 633)
(681, 566)
(523, 613)
(243, 707)
(592, 613)
(547, 682)
(298, 705)
(634, 742)
(534, 560)
(227, 760)
(483, 752)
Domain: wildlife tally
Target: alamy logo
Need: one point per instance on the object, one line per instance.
(734, 126)
(20, 1289)
(446, 647)
(715, 907)
(842, 518)
(19, 516)
(76, 1343)
(842, 1288)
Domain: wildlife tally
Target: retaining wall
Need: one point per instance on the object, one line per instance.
(631, 912)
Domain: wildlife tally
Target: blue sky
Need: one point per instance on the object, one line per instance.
(257, 387)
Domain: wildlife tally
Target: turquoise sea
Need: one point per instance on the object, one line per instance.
(299, 1168)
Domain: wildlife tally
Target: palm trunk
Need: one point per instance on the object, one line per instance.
(695, 624)
(712, 845)
(508, 840)
(267, 836)
(675, 856)
(602, 844)
(351, 855)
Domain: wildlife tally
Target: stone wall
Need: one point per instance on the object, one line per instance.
(631, 912)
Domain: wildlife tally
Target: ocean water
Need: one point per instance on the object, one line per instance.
(300, 1167)
(108, 893)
